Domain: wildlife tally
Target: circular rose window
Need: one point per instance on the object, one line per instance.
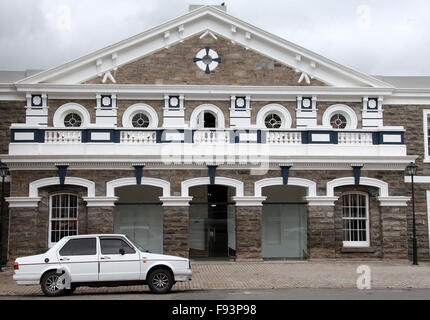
(272, 120)
(207, 60)
(72, 120)
(140, 120)
(338, 121)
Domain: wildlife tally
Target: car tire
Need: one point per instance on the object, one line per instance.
(160, 281)
(48, 284)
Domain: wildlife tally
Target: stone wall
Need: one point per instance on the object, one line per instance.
(239, 66)
(411, 117)
(248, 233)
(175, 231)
(321, 232)
(388, 224)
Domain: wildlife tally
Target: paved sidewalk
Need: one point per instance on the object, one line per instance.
(268, 275)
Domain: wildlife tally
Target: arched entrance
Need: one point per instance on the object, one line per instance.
(138, 214)
(212, 222)
(284, 222)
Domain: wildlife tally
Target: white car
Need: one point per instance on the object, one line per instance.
(99, 260)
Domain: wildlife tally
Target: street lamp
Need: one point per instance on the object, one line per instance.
(4, 171)
(412, 169)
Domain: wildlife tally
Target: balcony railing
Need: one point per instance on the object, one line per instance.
(292, 137)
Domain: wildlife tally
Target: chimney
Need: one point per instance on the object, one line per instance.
(222, 7)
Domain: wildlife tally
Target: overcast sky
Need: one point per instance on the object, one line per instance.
(375, 37)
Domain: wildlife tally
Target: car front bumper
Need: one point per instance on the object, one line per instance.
(183, 275)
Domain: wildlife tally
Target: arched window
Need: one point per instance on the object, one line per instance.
(340, 116)
(140, 115)
(355, 219)
(71, 115)
(63, 216)
(207, 116)
(273, 116)
(206, 119)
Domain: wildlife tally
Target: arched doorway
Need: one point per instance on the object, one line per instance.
(212, 222)
(138, 214)
(284, 222)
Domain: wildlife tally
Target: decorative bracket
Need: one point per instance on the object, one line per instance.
(357, 172)
(285, 170)
(138, 169)
(62, 172)
(212, 173)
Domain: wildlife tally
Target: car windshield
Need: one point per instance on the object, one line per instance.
(137, 244)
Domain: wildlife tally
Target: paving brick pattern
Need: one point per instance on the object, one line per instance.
(267, 275)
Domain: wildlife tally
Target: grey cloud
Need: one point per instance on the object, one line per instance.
(395, 41)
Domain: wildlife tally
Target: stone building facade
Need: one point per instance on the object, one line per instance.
(209, 138)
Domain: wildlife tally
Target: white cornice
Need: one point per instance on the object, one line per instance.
(152, 163)
(391, 96)
(201, 92)
(23, 202)
(100, 201)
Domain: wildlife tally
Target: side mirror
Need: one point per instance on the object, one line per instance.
(122, 251)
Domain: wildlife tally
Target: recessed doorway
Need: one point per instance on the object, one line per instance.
(212, 222)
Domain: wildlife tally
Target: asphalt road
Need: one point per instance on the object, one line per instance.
(252, 294)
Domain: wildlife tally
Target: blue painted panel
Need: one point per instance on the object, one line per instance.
(90, 131)
(285, 170)
(163, 136)
(62, 172)
(378, 137)
(357, 173)
(138, 173)
(39, 135)
(212, 173)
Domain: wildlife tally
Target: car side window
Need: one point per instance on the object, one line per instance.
(79, 247)
(114, 246)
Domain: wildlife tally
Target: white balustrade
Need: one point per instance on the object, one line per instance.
(63, 137)
(355, 138)
(139, 137)
(211, 137)
(283, 137)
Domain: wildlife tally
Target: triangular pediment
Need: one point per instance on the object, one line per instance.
(181, 63)
(166, 55)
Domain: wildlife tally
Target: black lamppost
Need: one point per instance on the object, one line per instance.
(412, 169)
(4, 170)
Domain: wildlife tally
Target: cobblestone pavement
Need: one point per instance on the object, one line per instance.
(267, 275)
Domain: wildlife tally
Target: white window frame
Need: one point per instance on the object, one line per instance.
(281, 111)
(50, 242)
(426, 114)
(357, 243)
(428, 215)
(71, 107)
(346, 111)
(197, 116)
(134, 109)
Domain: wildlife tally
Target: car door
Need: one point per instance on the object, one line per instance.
(119, 260)
(80, 257)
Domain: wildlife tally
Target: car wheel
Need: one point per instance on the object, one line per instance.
(50, 285)
(160, 281)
